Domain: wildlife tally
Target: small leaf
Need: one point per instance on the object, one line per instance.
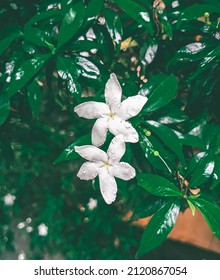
(137, 12)
(4, 109)
(6, 42)
(69, 153)
(157, 185)
(71, 24)
(34, 94)
(216, 174)
(25, 73)
(160, 90)
(168, 137)
(210, 211)
(159, 227)
(192, 207)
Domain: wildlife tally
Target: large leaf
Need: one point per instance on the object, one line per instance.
(210, 211)
(148, 51)
(159, 226)
(168, 137)
(197, 10)
(137, 12)
(201, 170)
(4, 109)
(157, 185)
(190, 140)
(87, 68)
(114, 26)
(92, 10)
(26, 72)
(160, 90)
(34, 97)
(69, 153)
(71, 24)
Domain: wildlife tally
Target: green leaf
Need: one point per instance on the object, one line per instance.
(157, 185)
(71, 24)
(4, 109)
(160, 90)
(137, 12)
(153, 204)
(216, 174)
(26, 72)
(114, 26)
(201, 170)
(210, 211)
(168, 137)
(190, 140)
(148, 51)
(192, 207)
(87, 68)
(34, 94)
(159, 227)
(6, 42)
(69, 153)
(197, 10)
(92, 10)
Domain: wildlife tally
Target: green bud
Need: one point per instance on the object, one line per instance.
(206, 14)
(156, 154)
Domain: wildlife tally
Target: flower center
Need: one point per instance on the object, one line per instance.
(111, 115)
(106, 164)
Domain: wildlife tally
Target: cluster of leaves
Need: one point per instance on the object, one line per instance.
(57, 54)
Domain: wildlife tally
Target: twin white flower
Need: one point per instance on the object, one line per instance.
(112, 116)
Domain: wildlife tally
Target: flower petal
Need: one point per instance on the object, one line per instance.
(108, 185)
(99, 131)
(89, 170)
(118, 126)
(122, 170)
(131, 106)
(116, 149)
(91, 153)
(113, 92)
(92, 110)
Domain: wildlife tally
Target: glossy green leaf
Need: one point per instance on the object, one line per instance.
(137, 12)
(160, 90)
(153, 204)
(148, 51)
(114, 26)
(87, 68)
(190, 140)
(26, 72)
(69, 153)
(168, 137)
(157, 185)
(216, 173)
(4, 109)
(201, 170)
(92, 10)
(197, 10)
(159, 227)
(34, 94)
(210, 211)
(192, 207)
(71, 24)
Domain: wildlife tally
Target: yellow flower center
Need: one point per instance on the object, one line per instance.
(106, 164)
(111, 115)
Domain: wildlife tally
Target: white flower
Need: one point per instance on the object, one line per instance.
(113, 114)
(9, 199)
(42, 230)
(92, 204)
(106, 166)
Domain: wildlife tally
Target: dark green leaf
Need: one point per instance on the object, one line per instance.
(168, 137)
(197, 10)
(69, 153)
(34, 97)
(160, 90)
(4, 109)
(190, 140)
(87, 68)
(137, 12)
(210, 211)
(148, 51)
(201, 169)
(159, 227)
(216, 173)
(157, 185)
(114, 26)
(92, 9)
(26, 72)
(71, 24)
(6, 42)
